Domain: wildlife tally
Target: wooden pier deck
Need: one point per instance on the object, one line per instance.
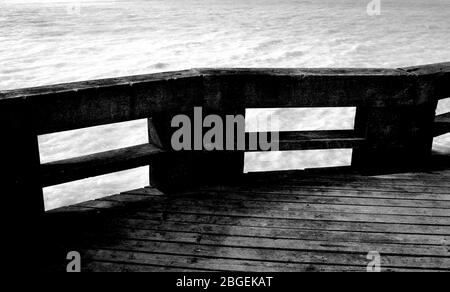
(307, 222)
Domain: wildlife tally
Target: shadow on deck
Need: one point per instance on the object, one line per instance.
(311, 221)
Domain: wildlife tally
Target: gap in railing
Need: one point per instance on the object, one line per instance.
(443, 106)
(95, 187)
(441, 144)
(301, 119)
(298, 119)
(298, 159)
(70, 144)
(74, 143)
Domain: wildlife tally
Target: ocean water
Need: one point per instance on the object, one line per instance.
(47, 42)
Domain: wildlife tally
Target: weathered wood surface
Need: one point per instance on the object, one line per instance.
(67, 170)
(433, 79)
(442, 124)
(394, 128)
(305, 140)
(90, 103)
(84, 104)
(309, 222)
(277, 88)
(21, 189)
(394, 121)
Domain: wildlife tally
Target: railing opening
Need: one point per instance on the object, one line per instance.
(299, 119)
(70, 144)
(441, 144)
(298, 159)
(95, 187)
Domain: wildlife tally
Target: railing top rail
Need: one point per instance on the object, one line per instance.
(136, 79)
(394, 122)
(94, 84)
(230, 90)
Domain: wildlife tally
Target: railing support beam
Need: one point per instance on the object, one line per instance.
(20, 183)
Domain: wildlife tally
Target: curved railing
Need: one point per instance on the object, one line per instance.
(394, 125)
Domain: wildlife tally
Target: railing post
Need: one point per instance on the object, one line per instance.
(361, 124)
(175, 170)
(21, 187)
(20, 152)
(396, 137)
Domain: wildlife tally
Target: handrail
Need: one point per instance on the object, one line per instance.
(84, 104)
(394, 119)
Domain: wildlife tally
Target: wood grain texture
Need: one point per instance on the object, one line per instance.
(442, 124)
(304, 140)
(223, 219)
(261, 226)
(433, 80)
(21, 190)
(67, 170)
(90, 103)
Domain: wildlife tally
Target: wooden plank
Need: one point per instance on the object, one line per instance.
(223, 200)
(83, 104)
(421, 183)
(214, 264)
(438, 213)
(371, 187)
(177, 167)
(282, 233)
(166, 235)
(289, 223)
(336, 192)
(304, 140)
(20, 155)
(189, 168)
(91, 103)
(444, 118)
(348, 226)
(97, 266)
(442, 124)
(278, 243)
(286, 210)
(312, 199)
(67, 170)
(100, 83)
(299, 197)
(435, 175)
(397, 137)
(340, 198)
(433, 79)
(277, 88)
(361, 129)
(390, 179)
(24, 201)
(272, 255)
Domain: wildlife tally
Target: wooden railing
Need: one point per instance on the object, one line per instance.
(395, 120)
